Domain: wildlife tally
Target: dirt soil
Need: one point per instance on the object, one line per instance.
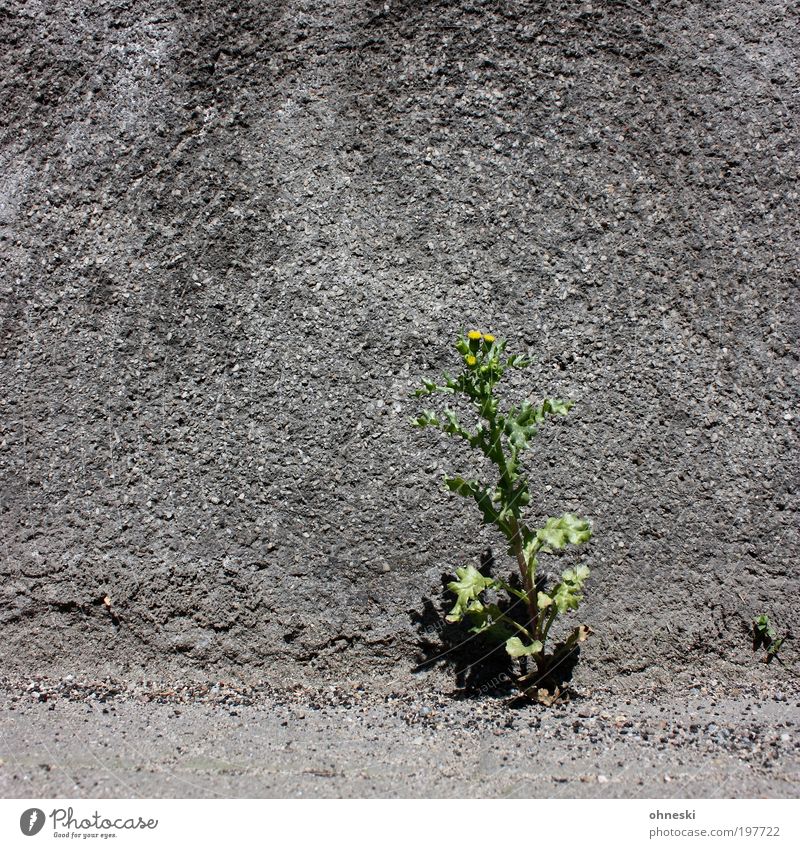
(235, 235)
(83, 739)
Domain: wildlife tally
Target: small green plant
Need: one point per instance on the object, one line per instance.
(488, 604)
(765, 637)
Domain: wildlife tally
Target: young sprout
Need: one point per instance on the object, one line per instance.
(765, 636)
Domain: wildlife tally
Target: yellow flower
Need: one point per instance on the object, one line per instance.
(471, 360)
(488, 338)
(474, 334)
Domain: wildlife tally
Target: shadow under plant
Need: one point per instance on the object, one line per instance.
(480, 666)
(479, 662)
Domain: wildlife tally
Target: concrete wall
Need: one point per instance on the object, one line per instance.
(236, 234)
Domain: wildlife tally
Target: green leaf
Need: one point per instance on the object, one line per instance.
(450, 386)
(427, 419)
(454, 428)
(482, 496)
(517, 648)
(519, 361)
(468, 587)
(449, 425)
(462, 345)
(566, 530)
(519, 427)
(530, 544)
(765, 636)
(488, 406)
(764, 627)
(543, 600)
(428, 388)
(581, 573)
(565, 599)
(520, 495)
(553, 406)
(465, 488)
(775, 647)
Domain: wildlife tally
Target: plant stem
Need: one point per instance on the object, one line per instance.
(497, 454)
(550, 620)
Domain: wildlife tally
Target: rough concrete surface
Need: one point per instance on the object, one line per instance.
(235, 235)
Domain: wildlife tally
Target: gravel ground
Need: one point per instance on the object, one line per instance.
(104, 739)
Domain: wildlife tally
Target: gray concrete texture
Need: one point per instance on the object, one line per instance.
(236, 234)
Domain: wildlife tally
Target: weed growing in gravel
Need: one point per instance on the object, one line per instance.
(521, 612)
(764, 636)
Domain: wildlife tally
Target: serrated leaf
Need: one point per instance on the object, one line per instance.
(519, 427)
(465, 488)
(453, 426)
(568, 529)
(553, 406)
(427, 419)
(764, 627)
(775, 647)
(428, 388)
(517, 648)
(543, 600)
(482, 496)
(565, 599)
(520, 494)
(467, 588)
(488, 406)
(567, 594)
(576, 576)
(518, 361)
